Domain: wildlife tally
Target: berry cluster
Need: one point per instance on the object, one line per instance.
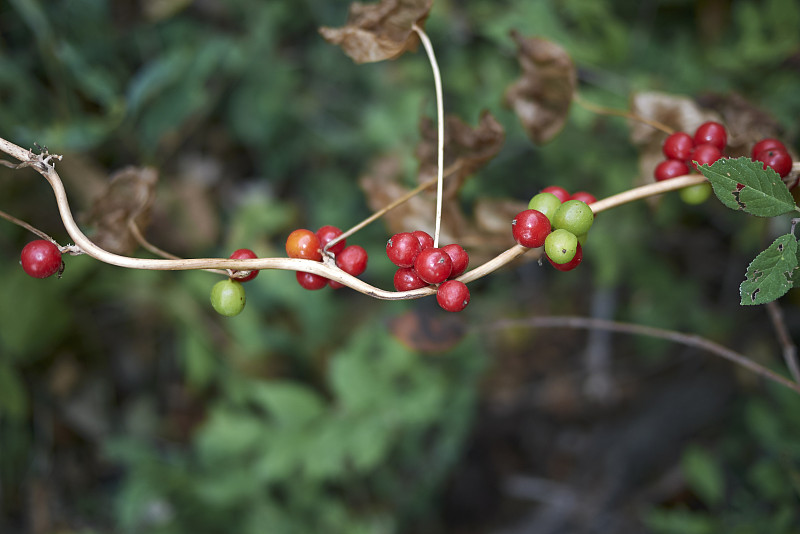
(420, 264)
(310, 245)
(558, 221)
(41, 259)
(683, 151)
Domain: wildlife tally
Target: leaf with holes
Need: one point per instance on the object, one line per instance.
(743, 184)
(770, 274)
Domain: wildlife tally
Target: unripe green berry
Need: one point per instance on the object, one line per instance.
(574, 216)
(547, 203)
(228, 297)
(696, 194)
(560, 246)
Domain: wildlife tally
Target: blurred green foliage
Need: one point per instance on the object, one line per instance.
(304, 414)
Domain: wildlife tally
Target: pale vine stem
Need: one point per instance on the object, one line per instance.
(692, 340)
(42, 163)
(437, 80)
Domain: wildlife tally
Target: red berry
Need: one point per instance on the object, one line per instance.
(670, 168)
(705, 153)
(402, 248)
(558, 191)
(583, 196)
(766, 144)
(453, 295)
(311, 281)
(712, 133)
(406, 279)
(570, 264)
(41, 258)
(328, 233)
(433, 265)
(352, 260)
(244, 254)
(425, 239)
(678, 146)
(303, 244)
(778, 160)
(530, 228)
(459, 257)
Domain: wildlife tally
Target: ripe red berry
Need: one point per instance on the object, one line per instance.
(406, 279)
(583, 196)
(678, 146)
(530, 228)
(433, 265)
(570, 264)
(425, 239)
(41, 258)
(712, 133)
(311, 281)
(558, 191)
(705, 153)
(778, 160)
(459, 257)
(328, 233)
(303, 244)
(453, 296)
(766, 144)
(352, 260)
(402, 248)
(670, 168)
(244, 254)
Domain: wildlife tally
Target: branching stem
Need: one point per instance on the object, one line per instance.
(691, 340)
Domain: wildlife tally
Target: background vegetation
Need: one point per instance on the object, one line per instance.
(128, 405)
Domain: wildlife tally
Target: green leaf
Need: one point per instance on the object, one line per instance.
(742, 184)
(289, 403)
(704, 475)
(770, 274)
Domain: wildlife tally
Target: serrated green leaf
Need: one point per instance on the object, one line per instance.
(770, 274)
(742, 184)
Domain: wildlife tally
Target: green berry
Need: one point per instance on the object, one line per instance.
(547, 203)
(228, 297)
(574, 216)
(560, 246)
(696, 194)
(582, 239)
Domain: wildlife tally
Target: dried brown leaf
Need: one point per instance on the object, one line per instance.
(375, 32)
(466, 149)
(128, 196)
(542, 95)
(746, 123)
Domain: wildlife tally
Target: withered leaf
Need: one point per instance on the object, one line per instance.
(375, 32)
(542, 95)
(465, 149)
(128, 196)
(679, 112)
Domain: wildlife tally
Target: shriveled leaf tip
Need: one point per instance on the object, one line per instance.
(375, 32)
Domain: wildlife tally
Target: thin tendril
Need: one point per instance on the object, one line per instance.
(437, 79)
